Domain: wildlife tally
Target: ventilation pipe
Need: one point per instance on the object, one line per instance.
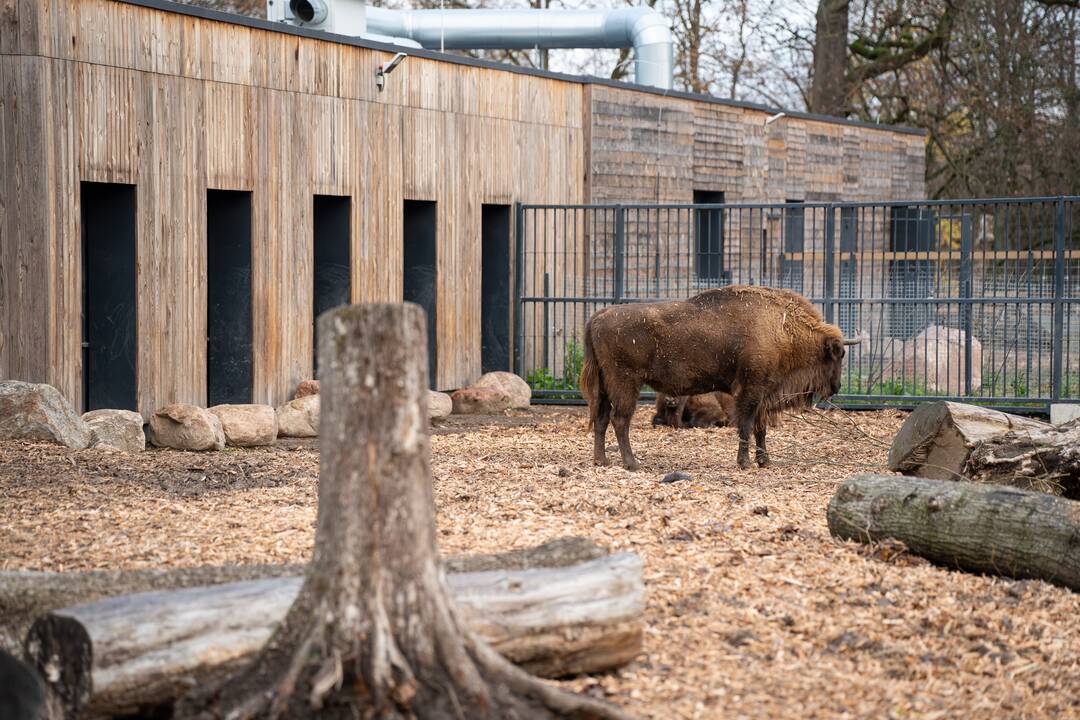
(641, 28)
(645, 30)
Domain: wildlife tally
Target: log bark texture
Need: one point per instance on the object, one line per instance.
(26, 595)
(373, 631)
(981, 528)
(126, 653)
(937, 438)
(1047, 460)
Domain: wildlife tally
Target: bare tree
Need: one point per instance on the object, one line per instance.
(373, 632)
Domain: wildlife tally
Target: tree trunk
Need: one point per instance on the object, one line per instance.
(981, 528)
(128, 653)
(830, 89)
(937, 438)
(26, 595)
(1046, 459)
(373, 631)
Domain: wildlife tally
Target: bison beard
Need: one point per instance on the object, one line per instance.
(769, 349)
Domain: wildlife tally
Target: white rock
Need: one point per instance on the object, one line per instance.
(186, 427)
(936, 357)
(116, 430)
(32, 411)
(439, 405)
(247, 425)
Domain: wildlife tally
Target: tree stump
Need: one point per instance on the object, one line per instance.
(937, 438)
(373, 632)
(971, 526)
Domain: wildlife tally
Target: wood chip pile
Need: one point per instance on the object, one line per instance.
(753, 610)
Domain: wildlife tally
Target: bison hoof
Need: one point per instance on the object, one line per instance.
(601, 461)
(631, 465)
(763, 461)
(744, 462)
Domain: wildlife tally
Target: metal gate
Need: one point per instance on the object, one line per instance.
(973, 300)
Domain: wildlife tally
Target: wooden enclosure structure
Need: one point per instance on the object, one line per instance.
(178, 104)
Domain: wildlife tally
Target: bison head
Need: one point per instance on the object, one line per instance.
(834, 359)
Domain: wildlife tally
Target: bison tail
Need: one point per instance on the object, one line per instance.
(590, 381)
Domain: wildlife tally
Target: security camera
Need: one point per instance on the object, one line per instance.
(383, 70)
(308, 12)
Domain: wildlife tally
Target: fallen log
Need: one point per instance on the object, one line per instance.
(937, 438)
(1045, 459)
(27, 595)
(981, 528)
(128, 653)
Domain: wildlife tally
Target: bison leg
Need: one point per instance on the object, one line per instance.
(762, 455)
(679, 410)
(600, 426)
(746, 410)
(621, 421)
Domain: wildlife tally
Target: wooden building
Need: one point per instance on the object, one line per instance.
(181, 191)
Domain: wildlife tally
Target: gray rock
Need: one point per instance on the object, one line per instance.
(676, 477)
(186, 427)
(299, 417)
(116, 430)
(247, 425)
(31, 411)
(519, 391)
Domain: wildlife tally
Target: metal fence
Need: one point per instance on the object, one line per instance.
(973, 300)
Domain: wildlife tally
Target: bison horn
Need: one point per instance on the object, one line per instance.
(854, 340)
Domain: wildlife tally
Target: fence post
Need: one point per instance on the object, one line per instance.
(519, 280)
(620, 252)
(829, 293)
(547, 320)
(1059, 299)
(966, 292)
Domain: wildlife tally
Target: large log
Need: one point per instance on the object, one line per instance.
(27, 595)
(937, 438)
(1046, 459)
(136, 651)
(972, 526)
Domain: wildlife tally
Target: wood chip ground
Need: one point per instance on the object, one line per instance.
(753, 610)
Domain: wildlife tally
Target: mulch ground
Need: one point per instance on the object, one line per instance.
(754, 611)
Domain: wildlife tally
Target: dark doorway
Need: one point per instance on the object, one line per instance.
(420, 268)
(791, 268)
(495, 289)
(332, 274)
(109, 304)
(911, 231)
(709, 238)
(228, 297)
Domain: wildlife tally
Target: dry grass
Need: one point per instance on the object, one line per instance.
(753, 610)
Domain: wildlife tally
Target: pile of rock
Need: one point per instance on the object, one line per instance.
(32, 411)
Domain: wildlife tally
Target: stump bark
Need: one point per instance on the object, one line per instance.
(373, 631)
(937, 438)
(1043, 459)
(988, 529)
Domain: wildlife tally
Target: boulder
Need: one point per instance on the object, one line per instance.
(439, 405)
(31, 411)
(247, 425)
(116, 430)
(308, 387)
(518, 390)
(186, 427)
(299, 417)
(935, 357)
(480, 401)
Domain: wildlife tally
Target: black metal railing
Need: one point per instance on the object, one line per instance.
(973, 300)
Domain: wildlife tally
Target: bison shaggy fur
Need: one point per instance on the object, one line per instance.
(769, 349)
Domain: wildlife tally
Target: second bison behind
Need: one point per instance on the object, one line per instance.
(769, 349)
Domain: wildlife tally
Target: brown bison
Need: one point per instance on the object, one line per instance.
(769, 349)
(709, 410)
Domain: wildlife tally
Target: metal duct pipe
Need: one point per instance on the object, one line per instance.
(641, 28)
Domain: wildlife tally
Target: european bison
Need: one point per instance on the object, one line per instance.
(770, 349)
(709, 410)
